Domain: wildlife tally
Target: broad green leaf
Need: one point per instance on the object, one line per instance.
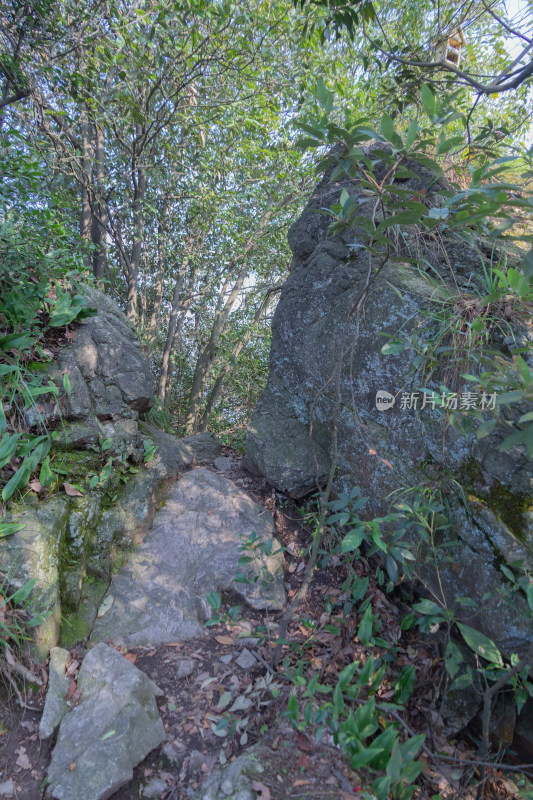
(481, 644)
(10, 528)
(352, 540)
(364, 632)
(393, 348)
(463, 681)
(364, 756)
(67, 386)
(428, 100)
(411, 217)
(16, 341)
(23, 593)
(439, 213)
(46, 476)
(445, 145)
(19, 479)
(453, 658)
(387, 127)
(411, 133)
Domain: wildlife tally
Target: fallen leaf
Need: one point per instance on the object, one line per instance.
(372, 452)
(303, 761)
(387, 463)
(71, 490)
(304, 743)
(224, 639)
(263, 792)
(35, 485)
(132, 657)
(302, 782)
(72, 667)
(23, 760)
(71, 688)
(72, 766)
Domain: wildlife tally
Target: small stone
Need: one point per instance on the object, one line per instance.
(173, 754)
(196, 759)
(227, 658)
(246, 660)
(222, 463)
(7, 788)
(248, 641)
(185, 668)
(154, 788)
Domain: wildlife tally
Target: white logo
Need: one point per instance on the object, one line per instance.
(384, 400)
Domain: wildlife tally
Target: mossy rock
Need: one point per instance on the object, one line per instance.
(76, 626)
(33, 554)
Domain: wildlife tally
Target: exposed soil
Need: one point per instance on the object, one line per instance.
(224, 664)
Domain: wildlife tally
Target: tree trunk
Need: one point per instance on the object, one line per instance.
(231, 363)
(175, 346)
(85, 214)
(99, 223)
(207, 356)
(139, 191)
(192, 239)
(162, 228)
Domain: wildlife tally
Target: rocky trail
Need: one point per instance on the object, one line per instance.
(163, 535)
(222, 670)
(198, 713)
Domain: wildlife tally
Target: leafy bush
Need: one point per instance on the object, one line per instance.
(40, 274)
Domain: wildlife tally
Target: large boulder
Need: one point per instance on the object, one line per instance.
(113, 727)
(109, 375)
(195, 547)
(383, 449)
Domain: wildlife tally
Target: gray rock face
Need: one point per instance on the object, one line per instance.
(223, 463)
(109, 375)
(159, 596)
(178, 454)
(114, 727)
(58, 685)
(381, 451)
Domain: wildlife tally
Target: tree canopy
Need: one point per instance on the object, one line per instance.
(164, 134)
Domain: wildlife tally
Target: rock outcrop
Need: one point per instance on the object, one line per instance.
(383, 451)
(70, 545)
(159, 596)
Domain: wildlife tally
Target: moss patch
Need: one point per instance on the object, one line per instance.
(511, 507)
(38, 366)
(75, 465)
(76, 626)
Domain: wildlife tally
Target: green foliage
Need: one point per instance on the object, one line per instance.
(15, 621)
(361, 726)
(38, 292)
